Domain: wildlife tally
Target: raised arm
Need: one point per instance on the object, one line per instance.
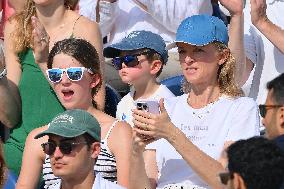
(33, 159)
(106, 15)
(120, 146)
(259, 19)
(236, 40)
(10, 103)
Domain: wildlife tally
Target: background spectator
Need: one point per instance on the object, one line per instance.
(273, 111)
(254, 163)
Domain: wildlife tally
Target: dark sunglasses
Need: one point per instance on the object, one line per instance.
(128, 60)
(73, 73)
(225, 177)
(65, 147)
(263, 109)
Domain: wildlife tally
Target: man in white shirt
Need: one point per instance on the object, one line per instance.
(73, 146)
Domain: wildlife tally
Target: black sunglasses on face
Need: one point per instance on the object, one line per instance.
(66, 147)
(128, 60)
(263, 109)
(225, 177)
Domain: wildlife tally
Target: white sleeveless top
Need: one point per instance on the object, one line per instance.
(105, 165)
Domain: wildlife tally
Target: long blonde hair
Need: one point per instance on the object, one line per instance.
(23, 33)
(226, 75)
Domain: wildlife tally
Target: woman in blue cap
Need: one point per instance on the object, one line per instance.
(193, 129)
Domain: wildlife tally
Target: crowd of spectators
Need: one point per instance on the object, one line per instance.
(56, 56)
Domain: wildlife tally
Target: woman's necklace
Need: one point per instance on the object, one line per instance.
(203, 112)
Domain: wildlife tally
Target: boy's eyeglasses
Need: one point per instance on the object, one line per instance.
(263, 109)
(73, 73)
(225, 177)
(65, 147)
(128, 60)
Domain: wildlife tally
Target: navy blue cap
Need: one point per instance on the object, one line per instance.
(138, 40)
(201, 30)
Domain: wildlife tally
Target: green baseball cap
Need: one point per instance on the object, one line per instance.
(73, 123)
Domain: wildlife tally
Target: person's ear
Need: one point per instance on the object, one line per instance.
(223, 56)
(155, 66)
(95, 80)
(238, 182)
(95, 149)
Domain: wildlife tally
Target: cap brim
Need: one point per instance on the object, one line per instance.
(114, 50)
(111, 52)
(63, 132)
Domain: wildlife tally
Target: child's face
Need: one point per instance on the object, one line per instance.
(199, 64)
(73, 94)
(137, 73)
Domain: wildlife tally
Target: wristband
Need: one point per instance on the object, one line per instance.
(3, 73)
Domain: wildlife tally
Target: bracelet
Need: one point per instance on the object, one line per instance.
(3, 73)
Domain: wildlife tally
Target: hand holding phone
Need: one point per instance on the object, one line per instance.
(149, 106)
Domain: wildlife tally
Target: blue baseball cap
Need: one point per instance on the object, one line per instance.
(138, 40)
(201, 30)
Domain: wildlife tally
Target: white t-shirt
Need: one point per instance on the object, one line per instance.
(268, 60)
(124, 16)
(127, 103)
(99, 183)
(208, 128)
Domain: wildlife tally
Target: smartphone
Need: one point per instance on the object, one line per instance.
(149, 106)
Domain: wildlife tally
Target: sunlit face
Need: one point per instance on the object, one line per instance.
(270, 120)
(130, 75)
(73, 165)
(199, 64)
(73, 94)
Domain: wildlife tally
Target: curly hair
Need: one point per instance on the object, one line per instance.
(83, 51)
(23, 32)
(259, 161)
(226, 76)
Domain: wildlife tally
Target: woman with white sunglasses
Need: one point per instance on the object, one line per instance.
(73, 70)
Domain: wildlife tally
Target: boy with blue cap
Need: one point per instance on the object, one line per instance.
(139, 58)
(73, 147)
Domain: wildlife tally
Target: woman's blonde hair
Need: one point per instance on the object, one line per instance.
(226, 75)
(23, 32)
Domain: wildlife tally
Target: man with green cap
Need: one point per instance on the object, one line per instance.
(73, 146)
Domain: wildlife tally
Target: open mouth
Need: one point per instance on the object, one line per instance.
(67, 94)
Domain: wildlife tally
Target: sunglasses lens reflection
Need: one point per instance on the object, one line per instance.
(128, 60)
(54, 75)
(75, 74)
